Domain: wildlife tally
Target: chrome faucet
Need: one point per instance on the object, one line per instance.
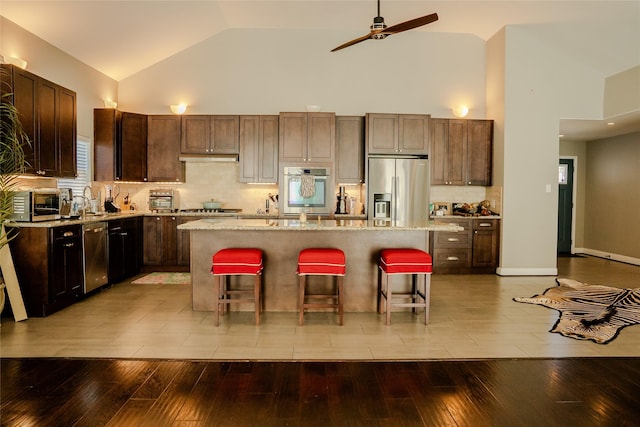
(86, 203)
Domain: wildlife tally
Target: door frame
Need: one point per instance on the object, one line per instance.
(573, 200)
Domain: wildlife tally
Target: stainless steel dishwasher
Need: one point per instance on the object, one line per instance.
(95, 256)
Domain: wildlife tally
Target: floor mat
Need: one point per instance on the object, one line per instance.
(164, 278)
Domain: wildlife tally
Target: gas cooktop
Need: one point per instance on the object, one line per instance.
(221, 210)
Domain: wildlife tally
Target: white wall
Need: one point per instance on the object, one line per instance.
(622, 92)
(270, 71)
(542, 85)
(612, 222)
(47, 61)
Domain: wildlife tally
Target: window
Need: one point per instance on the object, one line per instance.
(83, 165)
(563, 174)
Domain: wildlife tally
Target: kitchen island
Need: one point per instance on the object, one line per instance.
(282, 239)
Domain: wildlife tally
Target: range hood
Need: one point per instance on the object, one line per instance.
(209, 158)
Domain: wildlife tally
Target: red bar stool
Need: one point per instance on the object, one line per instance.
(234, 262)
(399, 262)
(320, 262)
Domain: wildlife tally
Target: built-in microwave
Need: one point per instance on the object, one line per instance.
(41, 204)
(307, 190)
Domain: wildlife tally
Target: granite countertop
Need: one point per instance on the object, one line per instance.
(313, 225)
(105, 216)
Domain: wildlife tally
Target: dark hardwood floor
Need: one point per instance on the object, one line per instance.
(496, 392)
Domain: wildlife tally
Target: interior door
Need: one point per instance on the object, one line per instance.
(565, 205)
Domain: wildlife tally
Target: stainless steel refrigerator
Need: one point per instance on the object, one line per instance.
(398, 189)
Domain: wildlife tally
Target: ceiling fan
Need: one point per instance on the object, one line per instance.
(379, 30)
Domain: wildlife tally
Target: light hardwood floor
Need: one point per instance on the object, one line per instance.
(472, 316)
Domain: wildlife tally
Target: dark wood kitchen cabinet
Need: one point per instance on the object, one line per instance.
(120, 144)
(48, 116)
(49, 267)
(485, 245)
(474, 250)
(452, 251)
(307, 137)
(160, 240)
(205, 134)
(125, 248)
(461, 152)
(163, 149)
(259, 149)
(397, 134)
(184, 243)
(479, 152)
(166, 247)
(349, 149)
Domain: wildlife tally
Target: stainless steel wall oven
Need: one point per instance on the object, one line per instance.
(307, 190)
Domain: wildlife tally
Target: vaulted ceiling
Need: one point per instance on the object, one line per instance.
(120, 38)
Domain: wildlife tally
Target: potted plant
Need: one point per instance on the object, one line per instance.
(12, 159)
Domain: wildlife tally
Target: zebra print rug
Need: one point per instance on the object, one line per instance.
(589, 312)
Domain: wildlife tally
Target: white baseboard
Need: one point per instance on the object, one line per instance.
(609, 255)
(527, 271)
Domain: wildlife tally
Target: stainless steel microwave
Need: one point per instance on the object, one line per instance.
(41, 204)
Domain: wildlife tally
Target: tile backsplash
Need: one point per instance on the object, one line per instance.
(204, 181)
(220, 181)
(467, 194)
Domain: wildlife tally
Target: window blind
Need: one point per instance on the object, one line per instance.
(83, 166)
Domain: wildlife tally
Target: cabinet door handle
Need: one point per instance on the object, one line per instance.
(452, 258)
(453, 239)
(484, 224)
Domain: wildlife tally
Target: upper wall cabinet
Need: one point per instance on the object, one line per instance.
(307, 137)
(47, 112)
(202, 134)
(349, 149)
(120, 144)
(163, 149)
(461, 152)
(259, 149)
(398, 134)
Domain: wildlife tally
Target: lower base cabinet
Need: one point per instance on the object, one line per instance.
(49, 262)
(125, 248)
(474, 250)
(166, 247)
(49, 267)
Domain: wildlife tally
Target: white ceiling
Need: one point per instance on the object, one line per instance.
(120, 38)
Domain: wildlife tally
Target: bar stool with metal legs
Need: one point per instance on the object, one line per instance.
(404, 261)
(321, 262)
(234, 262)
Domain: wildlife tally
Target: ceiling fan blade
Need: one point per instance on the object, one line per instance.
(409, 25)
(352, 42)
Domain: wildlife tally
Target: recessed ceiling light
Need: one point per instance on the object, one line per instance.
(610, 124)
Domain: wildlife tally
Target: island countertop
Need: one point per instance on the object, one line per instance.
(315, 225)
